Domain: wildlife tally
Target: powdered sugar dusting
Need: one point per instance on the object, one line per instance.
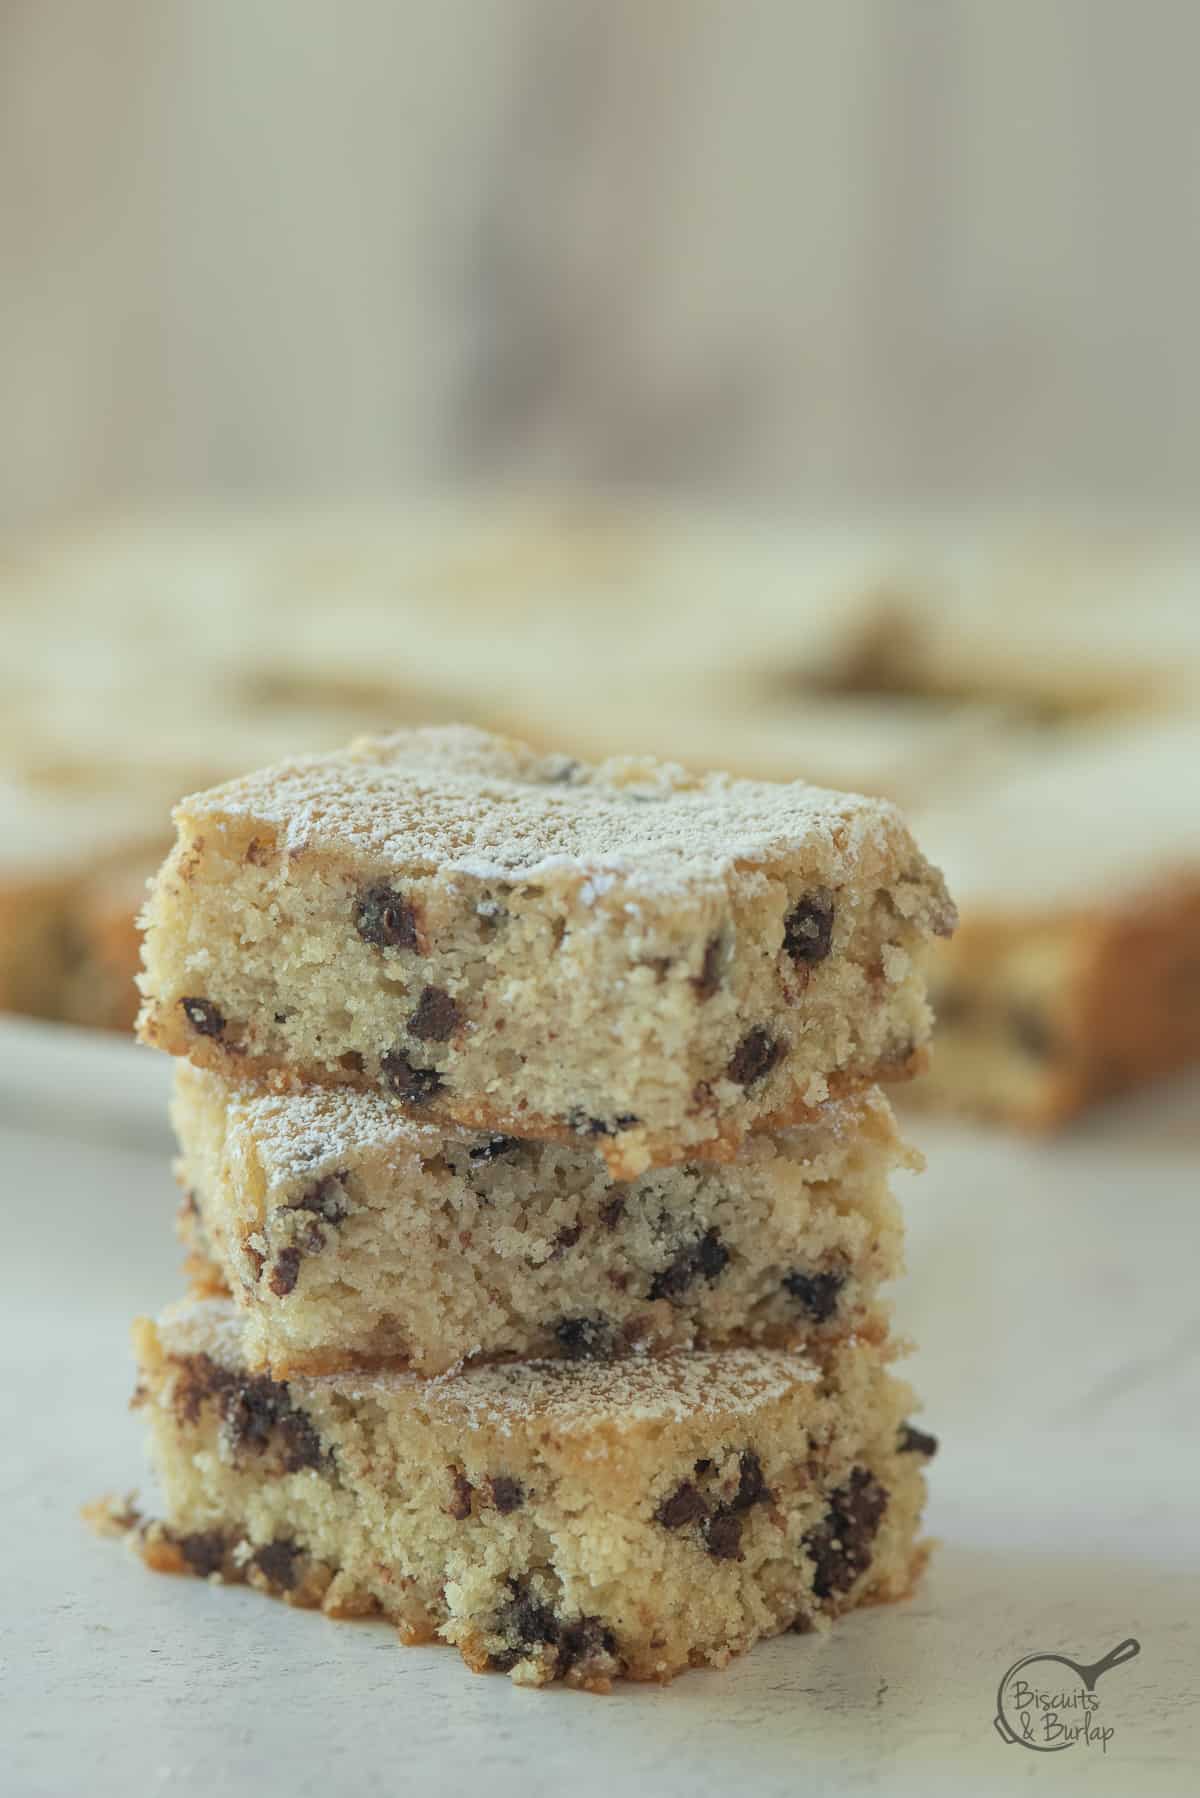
(303, 1133)
(575, 1397)
(580, 1395)
(459, 801)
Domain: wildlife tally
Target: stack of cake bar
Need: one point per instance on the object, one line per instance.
(537, 1200)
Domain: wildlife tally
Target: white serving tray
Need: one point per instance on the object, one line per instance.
(1054, 1290)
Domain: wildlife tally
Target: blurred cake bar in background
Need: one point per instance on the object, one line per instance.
(1066, 624)
(1054, 624)
(1075, 972)
(77, 845)
(895, 749)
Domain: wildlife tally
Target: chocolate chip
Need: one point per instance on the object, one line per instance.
(203, 1017)
(708, 1256)
(507, 1494)
(808, 928)
(661, 965)
(612, 1211)
(276, 1561)
(326, 1199)
(714, 1256)
(754, 1057)
(752, 1487)
(198, 1378)
(526, 1622)
(676, 1277)
(461, 1494)
(818, 1293)
(584, 1338)
(912, 1441)
(204, 1552)
(385, 919)
(840, 1546)
(723, 1536)
(1032, 1034)
(252, 1410)
(436, 1018)
(302, 1445)
(566, 1239)
(495, 1145)
(583, 1125)
(685, 1505)
(709, 977)
(416, 1085)
(285, 1272)
(586, 1639)
(258, 1411)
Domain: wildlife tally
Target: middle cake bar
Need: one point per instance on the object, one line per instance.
(352, 1235)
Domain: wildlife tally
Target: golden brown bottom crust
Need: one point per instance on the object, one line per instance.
(626, 1156)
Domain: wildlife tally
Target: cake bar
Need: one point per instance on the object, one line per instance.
(78, 842)
(352, 1235)
(1076, 972)
(553, 1520)
(653, 961)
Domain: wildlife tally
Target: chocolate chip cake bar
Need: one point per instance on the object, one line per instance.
(351, 1235)
(1076, 972)
(76, 849)
(627, 954)
(553, 1520)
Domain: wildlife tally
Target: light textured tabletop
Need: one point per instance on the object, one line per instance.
(1054, 1291)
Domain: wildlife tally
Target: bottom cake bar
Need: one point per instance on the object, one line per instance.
(553, 1520)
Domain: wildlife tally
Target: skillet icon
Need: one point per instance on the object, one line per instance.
(1034, 1687)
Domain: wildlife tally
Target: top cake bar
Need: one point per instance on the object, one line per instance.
(655, 960)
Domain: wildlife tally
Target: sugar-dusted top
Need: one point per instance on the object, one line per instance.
(306, 1132)
(458, 800)
(573, 1396)
(303, 1134)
